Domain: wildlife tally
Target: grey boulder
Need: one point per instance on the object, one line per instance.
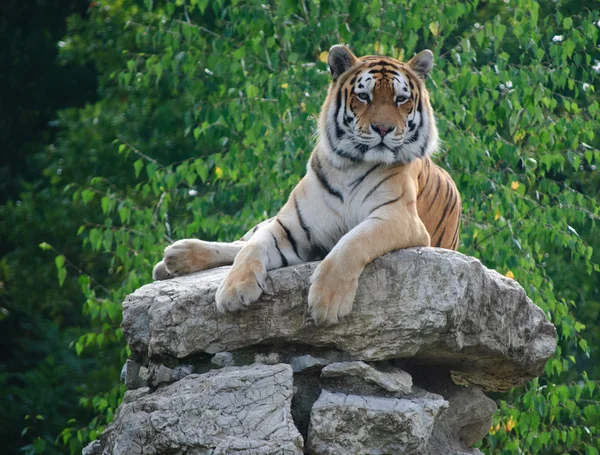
(350, 424)
(243, 411)
(432, 305)
(396, 381)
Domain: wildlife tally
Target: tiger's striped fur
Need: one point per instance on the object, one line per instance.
(370, 188)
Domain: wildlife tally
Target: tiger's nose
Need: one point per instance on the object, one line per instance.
(381, 128)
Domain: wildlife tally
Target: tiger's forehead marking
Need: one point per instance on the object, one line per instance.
(380, 73)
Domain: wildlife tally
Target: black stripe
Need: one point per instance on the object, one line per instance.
(437, 190)
(414, 138)
(284, 262)
(339, 133)
(448, 208)
(385, 203)
(347, 155)
(290, 238)
(317, 252)
(359, 180)
(377, 186)
(454, 243)
(426, 181)
(347, 75)
(315, 163)
(384, 63)
(303, 225)
(339, 152)
(439, 242)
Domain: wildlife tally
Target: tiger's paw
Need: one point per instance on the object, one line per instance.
(160, 272)
(187, 256)
(331, 294)
(242, 286)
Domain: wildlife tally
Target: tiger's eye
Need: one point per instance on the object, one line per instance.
(363, 96)
(401, 99)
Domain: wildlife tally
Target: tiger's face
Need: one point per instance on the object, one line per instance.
(378, 109)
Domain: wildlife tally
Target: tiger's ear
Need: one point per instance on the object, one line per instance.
(422, 63)
(340, 60)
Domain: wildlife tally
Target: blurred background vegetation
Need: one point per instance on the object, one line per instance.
(130, 123)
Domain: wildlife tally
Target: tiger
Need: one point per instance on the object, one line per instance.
(370, 188)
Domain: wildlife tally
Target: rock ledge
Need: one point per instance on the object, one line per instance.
(437, 306)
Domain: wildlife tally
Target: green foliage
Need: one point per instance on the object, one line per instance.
(205, 122)
(32, 87)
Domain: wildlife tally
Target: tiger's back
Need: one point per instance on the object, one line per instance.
(438, 205)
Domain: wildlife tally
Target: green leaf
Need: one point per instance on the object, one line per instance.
(45, 246)
(39, 445)
(105, 204)
(62, 274)
(59, 261)
(137, 166)
(87, 195)
(202, 4)
(124, 213)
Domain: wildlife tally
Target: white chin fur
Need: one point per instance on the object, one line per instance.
(379, 154)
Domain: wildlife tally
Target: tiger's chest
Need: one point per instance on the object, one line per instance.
(367, 190)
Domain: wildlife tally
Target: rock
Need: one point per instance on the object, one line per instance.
(242, 446)
(132, 372)
(435, 306)
(132, 395)
(307, 363)
(345, 424)
(272, 358)
(222, 359)
(243, 410)
(123, 374)
(160, 374)
(466, 420)
(93, 448)
(396, 381)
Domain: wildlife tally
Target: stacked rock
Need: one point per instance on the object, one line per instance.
(403, 373)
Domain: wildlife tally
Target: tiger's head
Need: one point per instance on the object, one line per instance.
(377, 109)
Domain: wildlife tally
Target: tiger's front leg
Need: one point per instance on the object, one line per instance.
(335, 280)
(275, 244)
